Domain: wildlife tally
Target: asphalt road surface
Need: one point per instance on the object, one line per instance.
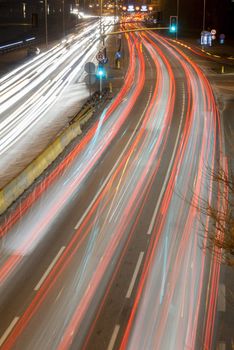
(108, 256)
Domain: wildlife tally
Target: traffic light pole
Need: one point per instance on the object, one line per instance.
(100, 89)
(63, 9)
(178, 10)
(46, 24)
(204, 16)
(102, 38)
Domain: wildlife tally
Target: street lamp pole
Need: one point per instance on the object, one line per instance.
(101, 20)
(204, 15)
(116, 11)
(63, 9)
(46, 24)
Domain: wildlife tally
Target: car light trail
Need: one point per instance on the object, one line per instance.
(56, 65)
(169, 292)
(73, 183)
(151, 321)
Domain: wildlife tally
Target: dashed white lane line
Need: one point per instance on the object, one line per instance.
(137, 268)
(113, 337)
(49, 269)
(8, 330)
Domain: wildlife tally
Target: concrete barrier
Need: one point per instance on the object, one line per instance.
(25, 179)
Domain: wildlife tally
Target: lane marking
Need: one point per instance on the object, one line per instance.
(8, 330)
(221, 346)
(137, 268)
(59, 294)
(222, 298)
(169, 168)
(164, 269)
(49, 269)
(113, 337)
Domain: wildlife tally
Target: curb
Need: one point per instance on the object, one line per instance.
(204, 51)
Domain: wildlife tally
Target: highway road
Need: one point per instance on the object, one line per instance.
(108, 254)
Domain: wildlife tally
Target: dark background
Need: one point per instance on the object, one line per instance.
(14, 22)
(219, 15)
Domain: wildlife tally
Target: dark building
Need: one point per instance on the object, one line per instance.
(219, 15)
(18, 17)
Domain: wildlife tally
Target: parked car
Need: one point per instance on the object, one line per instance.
(33, 51)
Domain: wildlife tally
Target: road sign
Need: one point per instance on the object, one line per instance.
(221, 38)
(90, 68)
(117, 55)
(105, 61)
(100, 56)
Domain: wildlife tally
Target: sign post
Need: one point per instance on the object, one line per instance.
(90, 77)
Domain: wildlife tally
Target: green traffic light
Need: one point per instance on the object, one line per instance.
(101, 72)
(173, 29)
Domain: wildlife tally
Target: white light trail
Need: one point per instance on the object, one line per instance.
(29, 91)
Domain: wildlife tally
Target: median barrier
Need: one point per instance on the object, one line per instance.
(25, 179)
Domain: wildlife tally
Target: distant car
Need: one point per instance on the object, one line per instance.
(33, 51)
(153, 19)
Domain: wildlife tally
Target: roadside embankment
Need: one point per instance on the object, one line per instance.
(14, 189)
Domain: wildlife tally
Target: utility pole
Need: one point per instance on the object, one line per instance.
(63, 10)
(177, 14)
(100, 20)
(101, 27)
(46, 23)
(115, 11)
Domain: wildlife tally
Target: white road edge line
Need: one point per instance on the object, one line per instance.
(137, 268)
(168, 170)
(113, 337)
(38, 286)
(8, 330)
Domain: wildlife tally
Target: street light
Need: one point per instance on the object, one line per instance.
(177, 14)
(46, 24)
(63, 9)
(101, 29)
(100, 20)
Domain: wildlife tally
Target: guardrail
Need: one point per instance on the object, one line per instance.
(22, 43)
